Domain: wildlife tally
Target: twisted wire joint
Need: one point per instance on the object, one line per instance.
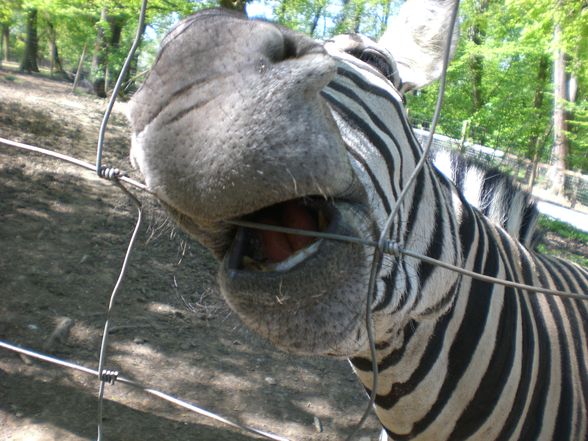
(109, 376)
(110, 173)
(391, 247)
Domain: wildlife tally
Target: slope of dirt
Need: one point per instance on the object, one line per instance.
(63, 234)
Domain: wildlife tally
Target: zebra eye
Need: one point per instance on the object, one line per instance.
(380, 62)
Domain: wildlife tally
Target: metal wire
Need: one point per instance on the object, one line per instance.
(380, 249)
(105, 172)
(392, 248)
(151, 391)
(70, 159)
(106, 376)
(113, 174)
(389, 247)
(383, 246)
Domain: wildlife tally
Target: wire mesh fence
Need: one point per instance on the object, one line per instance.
(575, 184)
(381, 247)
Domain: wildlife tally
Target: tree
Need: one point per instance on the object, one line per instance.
(99, 56)
(301, 15)
(4, 44)
(236, 5)
(29, 60)
(8, 9)
(349, 20)
(476, 34)
(559, 151)
(55, 62)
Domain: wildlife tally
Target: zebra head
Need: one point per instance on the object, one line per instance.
(248, 120)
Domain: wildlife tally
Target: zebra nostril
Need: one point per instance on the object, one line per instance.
(292, 46)
(288, 50)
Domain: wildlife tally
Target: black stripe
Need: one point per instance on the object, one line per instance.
(439, 241)
(529, 215)
(419, 187)
(487, 395)
(467, 229)
(447, 298)
(538, 400)
(579, 350)
(379, 190)
(398, 107)
(467, 337)
(448, 200)
(563, 423)
(365, 364)
(352, 118)
(493, 382)
(388, 289)
(390, 282)
(583, 282)
(527, 349)
(427, 361)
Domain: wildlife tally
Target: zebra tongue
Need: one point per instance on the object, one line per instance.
(280, 246)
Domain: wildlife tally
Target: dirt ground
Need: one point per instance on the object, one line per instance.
(63, 234)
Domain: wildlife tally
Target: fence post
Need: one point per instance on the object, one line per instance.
(79, 71)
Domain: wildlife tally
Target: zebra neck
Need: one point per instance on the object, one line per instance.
(437, 370)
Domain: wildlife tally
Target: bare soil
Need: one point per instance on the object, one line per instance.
(63, 234)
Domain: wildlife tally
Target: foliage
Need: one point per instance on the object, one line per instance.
(512, 40)
(76, 23)
(518, 35)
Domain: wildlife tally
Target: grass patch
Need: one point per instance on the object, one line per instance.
(568, 255)
(562, 229)
(563, 240)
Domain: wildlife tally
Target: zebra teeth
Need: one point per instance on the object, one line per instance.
(266, 250)
(285, 265)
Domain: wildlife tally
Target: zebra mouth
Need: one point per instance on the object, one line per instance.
(284, 297)
(264, 251)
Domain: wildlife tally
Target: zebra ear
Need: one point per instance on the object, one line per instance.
(416, 39)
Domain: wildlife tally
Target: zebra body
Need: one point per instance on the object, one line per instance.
(276, 129)
(465, 359)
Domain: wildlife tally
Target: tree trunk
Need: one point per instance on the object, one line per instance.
(357, 19)
(29, 61)
(559, 151)
(5, 41)
(349, 19)
(79, 70)
(538, 148)
(132, 71)
(387, 8)
(540, 85)
(99, 57)
(56, 66)
(116, 24)
(315, 19)
(477, 35)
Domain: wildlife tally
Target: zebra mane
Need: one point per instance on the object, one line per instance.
(497, 195)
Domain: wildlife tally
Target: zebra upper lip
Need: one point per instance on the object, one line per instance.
(263, 250)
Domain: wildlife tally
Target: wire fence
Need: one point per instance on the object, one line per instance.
(381, 247)
(523, 170)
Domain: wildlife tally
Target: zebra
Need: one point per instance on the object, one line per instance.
(494, 193)
(247, 120)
